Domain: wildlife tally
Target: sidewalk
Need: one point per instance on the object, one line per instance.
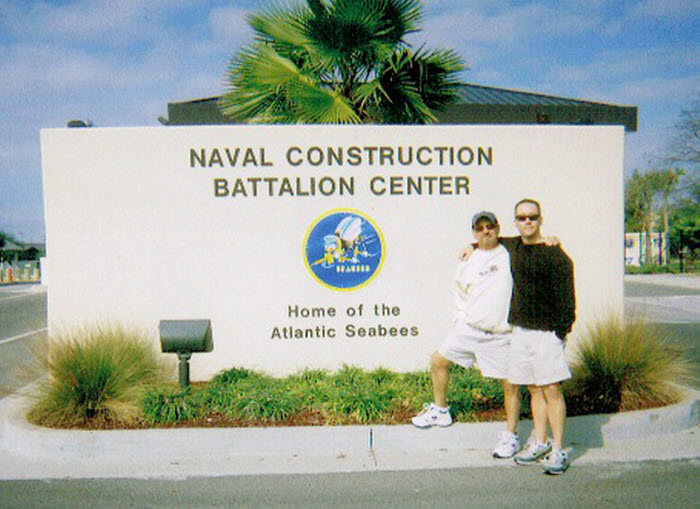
(30, 452)
(689, 281)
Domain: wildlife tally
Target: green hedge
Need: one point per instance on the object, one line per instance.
(348, 396)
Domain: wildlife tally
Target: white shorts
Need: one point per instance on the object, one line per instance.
(536, 358)
(466, 346)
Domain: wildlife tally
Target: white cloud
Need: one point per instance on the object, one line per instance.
(609, 70)
(35, 68)
(507, 24)
(83, 21)
(660, 90)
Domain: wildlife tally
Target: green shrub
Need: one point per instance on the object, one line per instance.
(619, 368)
(314, 388)
(96, 378)
(417, 389)
(269, 402)
(625, 366)
(360, 397)
(232, 376)
(649, 268)
(170, 405)
(469, 392)
(249, 396)
(226, 390)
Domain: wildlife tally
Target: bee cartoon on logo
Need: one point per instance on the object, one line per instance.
(351, 250)
(346, 243)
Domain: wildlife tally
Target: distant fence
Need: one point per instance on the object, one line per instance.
(635, 248)
(20, 272)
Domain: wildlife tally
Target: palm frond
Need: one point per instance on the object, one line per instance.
(281, 24)
(437, 76)
(418, 83)
(315, 105)
(258, 76)
(360, 33)
(268, 87)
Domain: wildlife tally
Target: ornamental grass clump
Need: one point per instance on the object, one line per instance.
(628, 365)
(96, 379)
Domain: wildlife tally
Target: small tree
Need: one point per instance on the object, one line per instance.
(685, 145)
(639, 202)
(684, 150)
(641, 193)
(668, 182)
(685, 218)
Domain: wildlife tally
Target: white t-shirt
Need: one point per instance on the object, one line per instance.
(483, 285)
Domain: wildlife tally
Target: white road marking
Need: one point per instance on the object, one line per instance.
(20, 336)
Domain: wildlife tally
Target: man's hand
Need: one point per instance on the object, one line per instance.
(466, 253)
(552, 240)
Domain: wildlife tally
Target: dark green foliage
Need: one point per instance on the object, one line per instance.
(363, 397)
(167, 406)
(469, 392)
(650, 268)
(349, 396)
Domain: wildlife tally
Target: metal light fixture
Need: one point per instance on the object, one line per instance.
(185, 337)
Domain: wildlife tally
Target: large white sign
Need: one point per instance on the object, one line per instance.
(312, 246)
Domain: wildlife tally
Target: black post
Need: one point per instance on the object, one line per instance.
(680, 248)
(184, 368)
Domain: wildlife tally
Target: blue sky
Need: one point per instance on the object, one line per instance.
(119, 62)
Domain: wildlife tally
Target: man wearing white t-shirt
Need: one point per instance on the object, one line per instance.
(481, 333)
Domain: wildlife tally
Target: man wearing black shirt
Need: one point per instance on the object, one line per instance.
(542, 311)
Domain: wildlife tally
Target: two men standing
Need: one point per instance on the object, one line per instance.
(541, 310)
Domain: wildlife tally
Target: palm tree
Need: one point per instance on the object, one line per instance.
(339, 61)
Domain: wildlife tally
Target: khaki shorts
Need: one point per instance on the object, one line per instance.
(536, 358)
(467, 346)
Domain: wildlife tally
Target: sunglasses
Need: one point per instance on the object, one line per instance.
(483, 227)
(531, 217)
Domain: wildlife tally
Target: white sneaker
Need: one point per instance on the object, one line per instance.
(432, 415)
(534, 452)
(508, 445)
(556, 462)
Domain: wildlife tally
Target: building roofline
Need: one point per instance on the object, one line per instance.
(476, 104)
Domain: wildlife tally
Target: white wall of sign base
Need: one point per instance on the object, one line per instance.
(226, 223)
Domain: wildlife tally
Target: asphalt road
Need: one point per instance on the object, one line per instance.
(22, 335)
(22, 310)
(648, 484)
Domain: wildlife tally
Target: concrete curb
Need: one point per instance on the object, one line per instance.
(19, 437)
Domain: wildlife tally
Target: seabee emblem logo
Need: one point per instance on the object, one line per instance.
(344, 249)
